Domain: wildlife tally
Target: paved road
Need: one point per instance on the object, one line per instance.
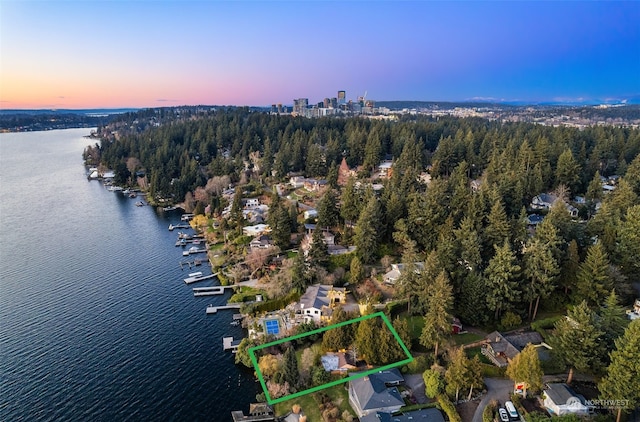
(497, 389)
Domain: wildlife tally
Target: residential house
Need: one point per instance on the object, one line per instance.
(251, 203)
(337, 363)
(311, 213)
(396, 272)
(385, 169)
(296, 182)
(318, 301)
(258, 412)
(545, 201)
(635, 312)
(376, 392)
(262, 241)
(534, 219)
(560, 399)
(501, 349)
(314, 185)
(422, 415)
(255, 230)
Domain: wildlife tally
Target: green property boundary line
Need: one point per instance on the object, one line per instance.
(271, 401)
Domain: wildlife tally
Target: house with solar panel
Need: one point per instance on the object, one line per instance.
(318, 302)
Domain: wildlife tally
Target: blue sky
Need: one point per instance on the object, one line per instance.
(68, 54)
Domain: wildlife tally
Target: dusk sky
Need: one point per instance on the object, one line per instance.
(91, 54)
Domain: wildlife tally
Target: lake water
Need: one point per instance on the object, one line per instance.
(95, 320)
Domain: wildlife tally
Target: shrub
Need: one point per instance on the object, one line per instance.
(419, 364)
(448, 408)
(489, 412)
(394, 308)
(433, 383)
(510, 320)
(545, 324)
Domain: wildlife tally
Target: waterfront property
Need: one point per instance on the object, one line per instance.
(376, 392)
(318, 301)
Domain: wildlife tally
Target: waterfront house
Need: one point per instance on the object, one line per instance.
(423, 415)
(318, 301)
(376, 392)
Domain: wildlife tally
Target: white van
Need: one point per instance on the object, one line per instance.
(511, 409)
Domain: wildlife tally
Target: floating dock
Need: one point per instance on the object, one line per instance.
(178, 226)
(213, 309)
(208, 291)
(195, 278)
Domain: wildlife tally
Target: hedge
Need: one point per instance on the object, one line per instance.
(270, 305)
(448, 408)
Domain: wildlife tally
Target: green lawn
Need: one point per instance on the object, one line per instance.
(310, 403)
(466, 338)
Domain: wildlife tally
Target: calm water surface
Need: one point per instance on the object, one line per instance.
(95, 321)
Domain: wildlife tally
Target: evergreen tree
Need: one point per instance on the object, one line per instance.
(433, 383)
(458, 375)
(612, 320)
(366, 340)
(621, 379)
(502, 275)
(628, 244)
(570, 267)
(577, 340)
(290, 372)
(327, 211)
(438, 318)
(319, 251)
(350, 202)
(401, 325)
(498, 228)
(593, 279)
(526, 368)
(367, 231)
(356, 271)
(567, 171)
(280, 223)
(541, 270)
(472, 302)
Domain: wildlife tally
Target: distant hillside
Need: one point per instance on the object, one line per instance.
(34, 120)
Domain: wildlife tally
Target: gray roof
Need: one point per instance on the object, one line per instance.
(559, 393)
(373, 393)
(317, 296)
(422, 415)
(499, 344)
(520, 340)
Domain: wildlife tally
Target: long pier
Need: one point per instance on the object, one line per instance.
(190, 280)
(213, 309)
(209, 291)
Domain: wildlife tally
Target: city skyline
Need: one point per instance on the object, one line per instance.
(67, 54)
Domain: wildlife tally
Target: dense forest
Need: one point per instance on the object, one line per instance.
(475, 235)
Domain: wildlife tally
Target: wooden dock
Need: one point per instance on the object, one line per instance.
(211, 291)
(190, 280)
(214, 309)
(179, 226)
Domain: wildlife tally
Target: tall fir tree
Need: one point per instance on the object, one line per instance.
(502, 276)
(593, 278)
(621, 379)
(438, 318)
(367, 231)
(526, 368)
(577, 340)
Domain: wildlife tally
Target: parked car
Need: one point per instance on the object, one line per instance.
(504, 417)
(511, 410)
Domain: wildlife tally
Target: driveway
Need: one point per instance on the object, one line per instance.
(416, 383)
(497, 389)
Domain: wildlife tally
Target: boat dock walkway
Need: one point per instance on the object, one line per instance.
(179, 226)
(213, 309)
(210, 291)
(195, 278)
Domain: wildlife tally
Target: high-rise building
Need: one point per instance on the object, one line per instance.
(342, 97)
(326, 102)
(300, 105)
